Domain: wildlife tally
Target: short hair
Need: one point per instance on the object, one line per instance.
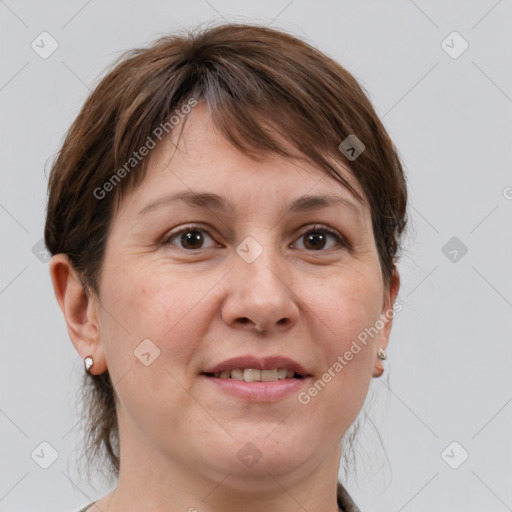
(267, 92)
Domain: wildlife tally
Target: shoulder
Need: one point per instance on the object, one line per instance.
(345, 502)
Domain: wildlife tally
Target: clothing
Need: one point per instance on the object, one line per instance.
(85, 508)
(345, 502)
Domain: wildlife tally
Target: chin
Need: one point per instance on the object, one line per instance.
(250, 457)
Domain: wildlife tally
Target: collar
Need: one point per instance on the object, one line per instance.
(345, 502)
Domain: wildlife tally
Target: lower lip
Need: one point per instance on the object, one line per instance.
(259, 391)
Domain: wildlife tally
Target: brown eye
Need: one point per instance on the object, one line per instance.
(317, 238)
(189, 238)
(192, 239)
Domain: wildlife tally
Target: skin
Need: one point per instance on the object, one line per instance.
(180, 434)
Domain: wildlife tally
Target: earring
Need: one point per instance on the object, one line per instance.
(88, 362)
(382, 355)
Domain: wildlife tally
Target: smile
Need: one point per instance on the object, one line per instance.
(254, 375)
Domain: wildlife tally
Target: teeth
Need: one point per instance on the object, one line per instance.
(268, 375)
(252, 375)
(235, 374)
(282, 373)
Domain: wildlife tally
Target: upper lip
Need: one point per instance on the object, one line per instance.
(258, 363)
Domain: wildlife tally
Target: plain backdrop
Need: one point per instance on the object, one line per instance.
(438, 432)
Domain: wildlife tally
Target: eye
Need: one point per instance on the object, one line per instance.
(193, 237)
(316, 238)
(190, 238)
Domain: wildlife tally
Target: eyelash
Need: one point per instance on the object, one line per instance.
(316, 229)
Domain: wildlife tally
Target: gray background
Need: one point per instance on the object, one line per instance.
(448, 375)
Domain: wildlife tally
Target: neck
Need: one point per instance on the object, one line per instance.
(150, 481)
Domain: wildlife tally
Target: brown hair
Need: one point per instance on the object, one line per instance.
(267, 92)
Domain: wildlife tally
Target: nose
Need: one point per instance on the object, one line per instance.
(259, 296)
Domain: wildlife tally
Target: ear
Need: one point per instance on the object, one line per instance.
(387, 314)
(80, 310)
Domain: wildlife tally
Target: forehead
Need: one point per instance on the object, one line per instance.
(195, 158)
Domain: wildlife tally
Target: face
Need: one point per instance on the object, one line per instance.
(254, 279)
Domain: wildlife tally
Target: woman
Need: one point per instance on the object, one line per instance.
(224, 218)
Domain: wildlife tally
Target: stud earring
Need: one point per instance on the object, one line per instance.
(382, 355)
(88, 362)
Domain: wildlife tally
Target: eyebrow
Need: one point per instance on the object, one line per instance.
(212, 201)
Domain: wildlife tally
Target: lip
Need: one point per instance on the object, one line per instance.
(259, 391)
(258, 363)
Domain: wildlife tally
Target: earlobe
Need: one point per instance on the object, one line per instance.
(79, 309)
(378, 370)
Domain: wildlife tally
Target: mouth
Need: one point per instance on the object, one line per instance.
(258, 379)
(255, 375)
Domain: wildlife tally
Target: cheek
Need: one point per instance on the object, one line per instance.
(160, 306)
(149, 306)
(346, 309)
